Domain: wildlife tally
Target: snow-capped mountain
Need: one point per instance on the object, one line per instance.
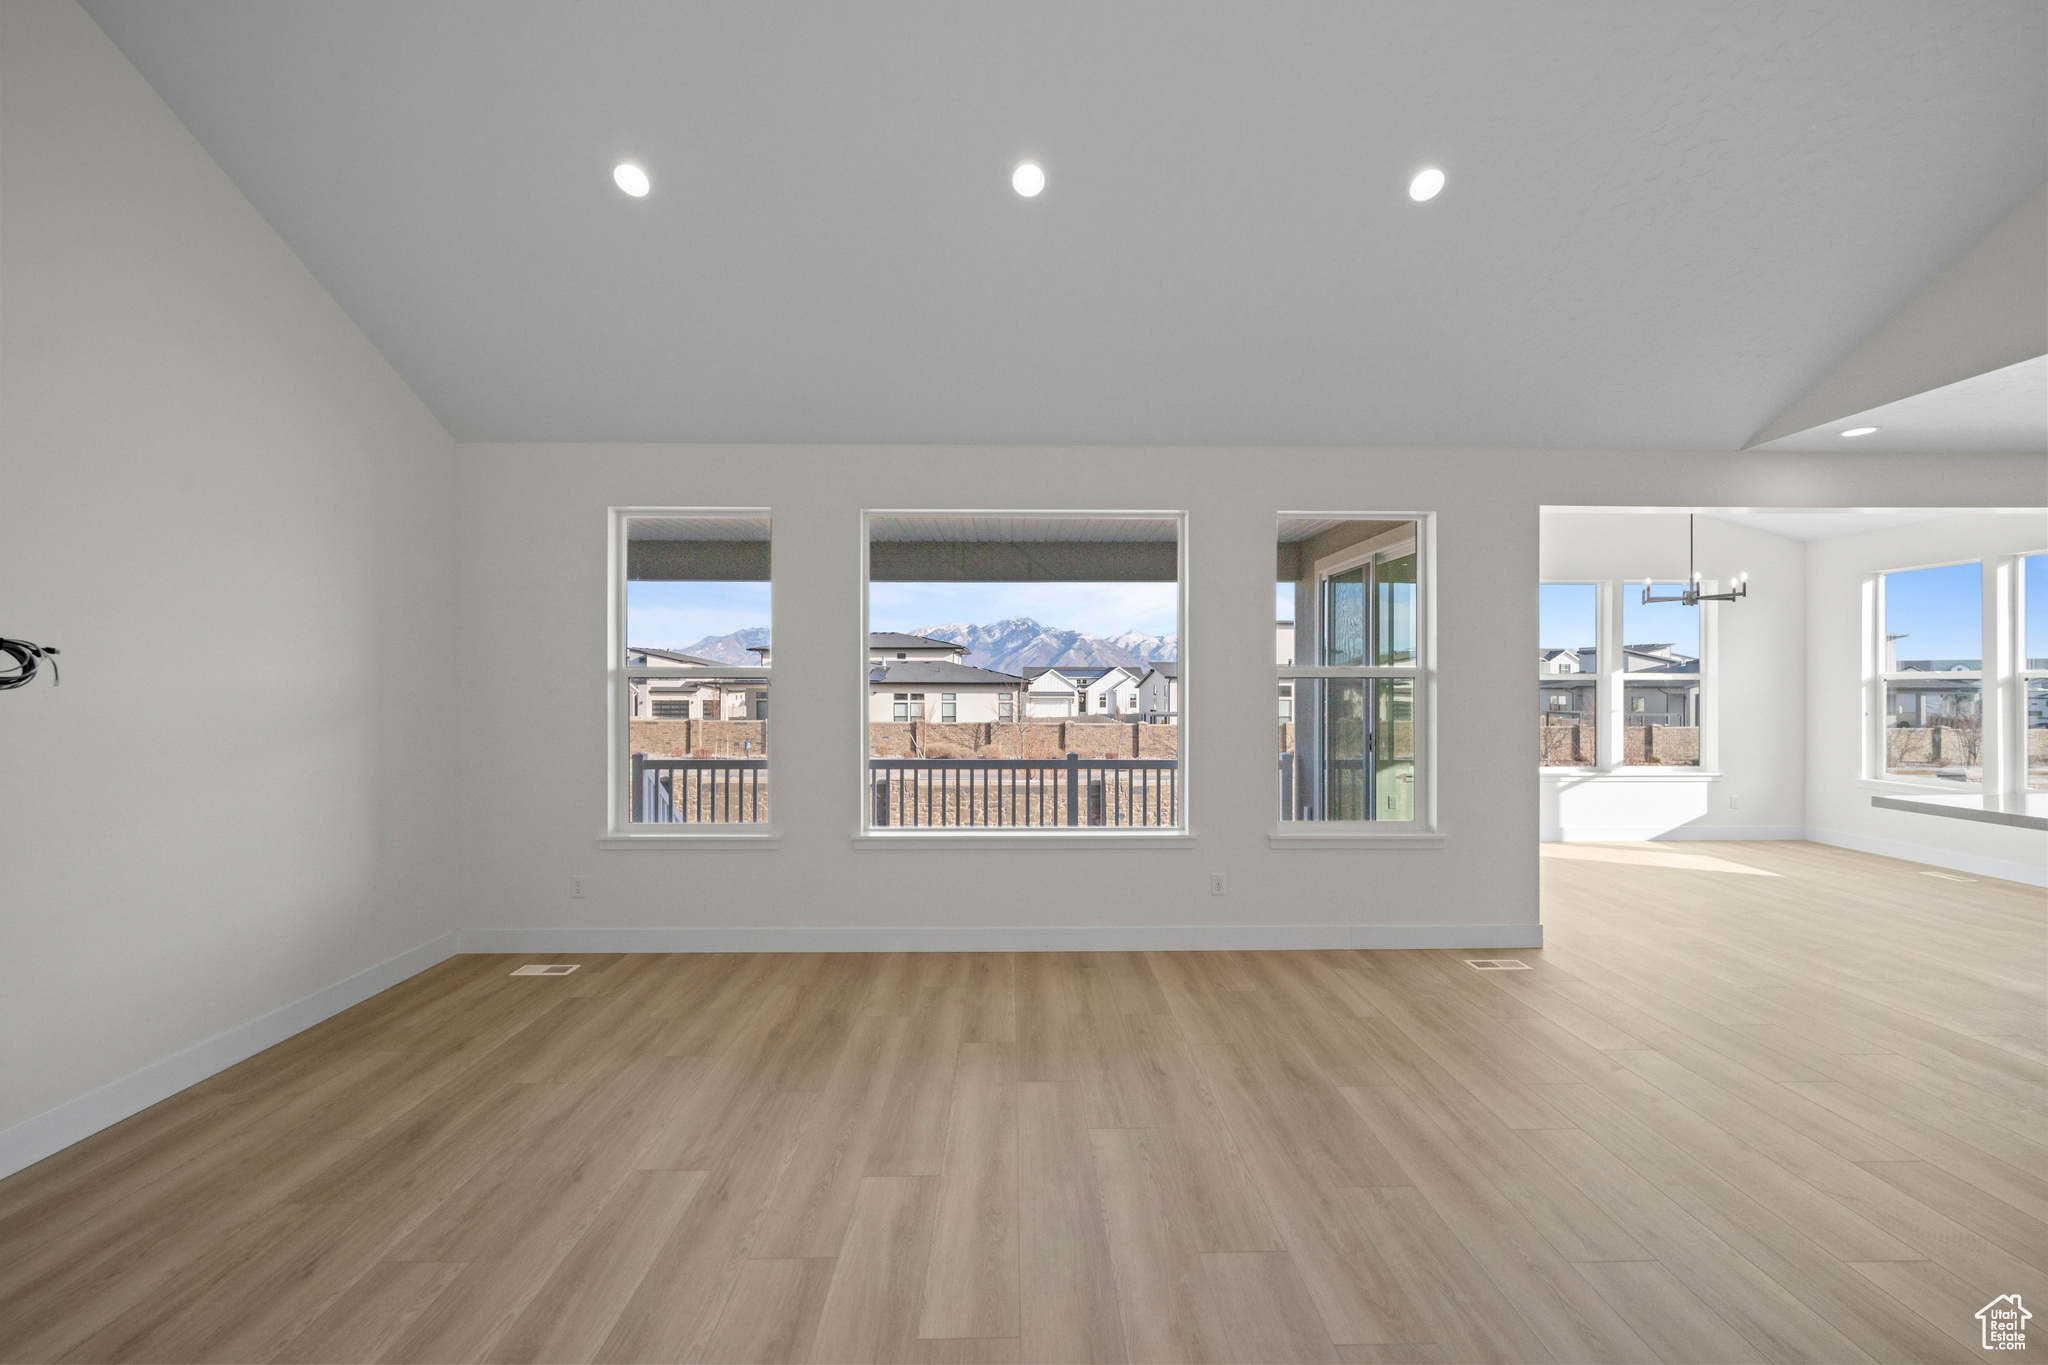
(1153, 648)
(1011, 645)
(730, 649)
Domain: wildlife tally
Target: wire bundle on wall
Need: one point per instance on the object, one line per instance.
(27, 658)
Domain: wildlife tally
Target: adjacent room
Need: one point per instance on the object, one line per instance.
(826, 683)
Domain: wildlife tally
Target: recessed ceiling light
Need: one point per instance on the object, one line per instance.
(631, 179)
(1859, 431)
(1427, 184)
(1027, 180)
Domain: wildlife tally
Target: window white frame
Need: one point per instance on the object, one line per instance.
(620, 831)
(2002, 681)
(1610, 692)
(1421, 830)
(1606, 737)
(867, 835)
(2012, 748)
(1614, 677)
(1994, 640)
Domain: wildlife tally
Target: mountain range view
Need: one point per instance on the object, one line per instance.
(1007, 646)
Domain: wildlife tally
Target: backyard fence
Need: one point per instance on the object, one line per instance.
(675, 791)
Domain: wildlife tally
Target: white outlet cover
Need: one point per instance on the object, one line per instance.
(547, 969)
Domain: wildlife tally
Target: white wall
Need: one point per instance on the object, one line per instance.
(236, 522)
(533, 569)
(1754, 699)
(533, 546)
(1838, 808)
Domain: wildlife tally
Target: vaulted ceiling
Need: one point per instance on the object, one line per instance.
(1662, 223)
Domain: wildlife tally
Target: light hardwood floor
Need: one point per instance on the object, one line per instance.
(1756, 1102)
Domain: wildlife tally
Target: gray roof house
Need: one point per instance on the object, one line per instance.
(934, 671)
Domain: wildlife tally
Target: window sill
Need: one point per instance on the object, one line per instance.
(981, 839)
(671, 843)
(1338, 838)
(2023, 812)
(1906, 786)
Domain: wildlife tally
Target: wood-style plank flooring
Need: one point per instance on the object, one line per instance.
(1755, 1102)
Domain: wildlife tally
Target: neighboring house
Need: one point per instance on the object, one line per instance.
(1051, 694)
(935, 690)
(1662, 658)
(1646, 700)
(1065, 690)
(1568, 679)
(1568, 684)
(1115, 693)
(1951, 702)
(1159, 694)
(694, 698)
(886, 647)
(1283, 643)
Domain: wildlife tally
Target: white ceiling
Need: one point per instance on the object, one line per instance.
(2003, 410)
(1830, 524)
(1662, 224)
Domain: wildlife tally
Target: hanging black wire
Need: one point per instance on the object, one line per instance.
(27, 657)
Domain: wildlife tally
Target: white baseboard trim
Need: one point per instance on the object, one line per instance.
(53, 1130)
(2029, 874)
(1003, 938)
(1615, 834)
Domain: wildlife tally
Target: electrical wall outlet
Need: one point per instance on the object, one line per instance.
(1215, 883)
(1734, 802)
(576, 888)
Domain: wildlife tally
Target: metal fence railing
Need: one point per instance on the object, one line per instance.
(674, 791)
(1003, 792)
(1344, 789)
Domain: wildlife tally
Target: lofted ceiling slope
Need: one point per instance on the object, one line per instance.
(1662, 222)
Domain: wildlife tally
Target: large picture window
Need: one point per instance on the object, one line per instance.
(1931, 638)
(1349, 632)
(692, 623)
(1021, 674)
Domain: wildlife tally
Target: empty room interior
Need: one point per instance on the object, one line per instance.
(837, 683)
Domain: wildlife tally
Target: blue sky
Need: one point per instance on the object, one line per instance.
(1095, 608)
(1567, 615)
(664, 614)
(1662, 623)
(1941, 611)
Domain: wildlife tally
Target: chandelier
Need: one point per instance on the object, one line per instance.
(1692, 596)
